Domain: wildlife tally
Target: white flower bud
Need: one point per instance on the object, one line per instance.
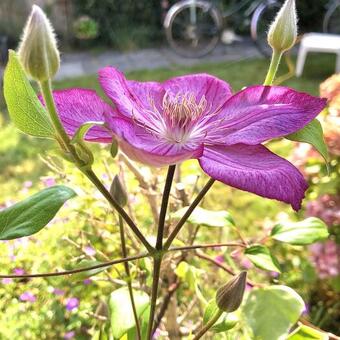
(38, 50)
(283, 31)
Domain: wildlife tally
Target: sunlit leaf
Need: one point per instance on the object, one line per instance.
(84, 264)
(207, 218)
(24, 108)
(261, 257)
(304, 332)
(272, 311)
(304, 232)
(32, 214)
(224, 323)
(121, 313)
(312, 134)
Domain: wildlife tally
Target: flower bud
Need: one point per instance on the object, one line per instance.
(283, 31)
(229, 297)
(38, 48)
(118, 192)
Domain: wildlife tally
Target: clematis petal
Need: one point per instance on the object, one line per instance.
(140, 100)
(260, 113)
(144, 147)
(78, 106)
(255, 169)
(215, 90)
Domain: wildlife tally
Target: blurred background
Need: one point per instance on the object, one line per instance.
(130, 35)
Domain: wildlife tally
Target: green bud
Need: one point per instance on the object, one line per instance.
(118, 192)
(38, 48)
(229, 297)
(283, 31)
(114, 148)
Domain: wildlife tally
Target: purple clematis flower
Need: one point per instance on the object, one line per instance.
(197, 116)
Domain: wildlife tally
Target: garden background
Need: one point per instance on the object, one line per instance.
(57, 308)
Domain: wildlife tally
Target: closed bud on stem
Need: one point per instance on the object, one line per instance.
(114, 148)
(118, 192)
(229, 297)
(283, 31)
(38, 48)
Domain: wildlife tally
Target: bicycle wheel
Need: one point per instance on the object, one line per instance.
(193, 27)
(261, 20)
(331, 22)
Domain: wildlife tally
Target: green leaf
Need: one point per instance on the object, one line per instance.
(24, 107)
(304, 232)
(207, 218)
(32, 214)
(312, 134)
(82, 131)
(261, 257)
(84, 264)
(304, 332)
(224, 323)
(121, 313)
(272, 311)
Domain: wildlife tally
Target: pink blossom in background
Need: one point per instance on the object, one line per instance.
(71, 303)
(69, 335)
(6, 281)
(198, 116)
(27, 297)
(87, 281)
(326, 258)
(89, 251)
(48, 181)
(219, 259)
(58, 292)
(326, 207)
(19, 271)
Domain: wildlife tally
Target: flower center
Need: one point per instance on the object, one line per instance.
(180, 113)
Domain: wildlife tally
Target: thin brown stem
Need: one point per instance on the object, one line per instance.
(191, 208)
(224, 267)
(127, 271)
(99, 185)
(159, 246)
(79, 270)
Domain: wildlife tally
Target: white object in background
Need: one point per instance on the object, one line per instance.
(318, 42)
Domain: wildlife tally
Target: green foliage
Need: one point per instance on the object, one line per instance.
(224, 323)
(121, 315)
(272, 311)
(262, 258)
(85, 264)
(300, 233)
(124, 24)
(312, 134)
(31, 215)
(24, 107)
(304, 332)
(206, 218)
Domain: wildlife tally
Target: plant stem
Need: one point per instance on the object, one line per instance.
(191, 208)
(79, 270)
(127, 271)
(99, 185)
(159, 246)
(164, 206)
(156, 271)
(46, 90)
(64, 139)
(208, 325)
(122, 260)
(273, 67)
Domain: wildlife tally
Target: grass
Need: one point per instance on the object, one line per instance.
(238, 74)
